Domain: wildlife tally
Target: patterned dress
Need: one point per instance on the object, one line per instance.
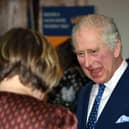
(25, 112)
(66, 93)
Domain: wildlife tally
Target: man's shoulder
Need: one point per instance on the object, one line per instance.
(87, 85)
(85, 89)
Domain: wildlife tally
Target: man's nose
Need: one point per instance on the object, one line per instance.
(87, 60)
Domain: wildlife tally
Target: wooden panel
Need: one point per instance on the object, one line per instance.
(63, 2)
(13, 13)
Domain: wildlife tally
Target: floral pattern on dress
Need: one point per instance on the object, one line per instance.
(66, 92)
(25, 112)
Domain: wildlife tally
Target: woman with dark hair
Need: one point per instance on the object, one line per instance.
(29, 70)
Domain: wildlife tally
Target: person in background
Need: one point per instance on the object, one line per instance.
(29, 69)
(66, 92)
(98, 47)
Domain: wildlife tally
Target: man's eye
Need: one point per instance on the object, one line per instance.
(93, 51)
(80, 54)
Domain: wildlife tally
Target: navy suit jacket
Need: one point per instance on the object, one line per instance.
(117, 105)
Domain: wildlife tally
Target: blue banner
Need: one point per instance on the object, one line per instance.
(57, 21)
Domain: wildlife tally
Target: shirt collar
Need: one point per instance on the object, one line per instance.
(117, 75)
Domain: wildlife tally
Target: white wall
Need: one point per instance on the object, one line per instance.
(119, 10)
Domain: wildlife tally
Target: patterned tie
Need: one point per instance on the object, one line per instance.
(94, 112)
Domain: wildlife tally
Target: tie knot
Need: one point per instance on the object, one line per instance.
(101, 87)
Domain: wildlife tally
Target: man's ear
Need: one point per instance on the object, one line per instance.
(117, 49)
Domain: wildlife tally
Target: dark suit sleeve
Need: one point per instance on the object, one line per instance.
(82, 108)
(82, 105)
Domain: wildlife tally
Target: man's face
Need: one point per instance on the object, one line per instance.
(96, 59)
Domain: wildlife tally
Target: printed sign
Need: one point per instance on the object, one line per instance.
(57, 22)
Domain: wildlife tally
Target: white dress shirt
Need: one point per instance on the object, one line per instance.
(110, 85)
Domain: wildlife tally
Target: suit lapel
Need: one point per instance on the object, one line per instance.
(84, 100)
(117, 103)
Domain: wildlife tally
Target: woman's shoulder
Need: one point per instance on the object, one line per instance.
(63, 116)
(31, 111)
